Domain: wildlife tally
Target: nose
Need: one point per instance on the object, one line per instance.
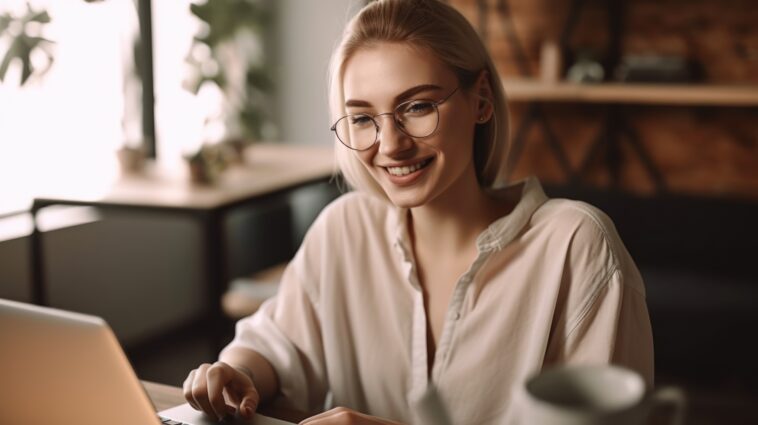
(391, 139)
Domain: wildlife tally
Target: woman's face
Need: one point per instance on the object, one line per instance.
(412, 171)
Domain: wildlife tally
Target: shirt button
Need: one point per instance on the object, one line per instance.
(457, 316)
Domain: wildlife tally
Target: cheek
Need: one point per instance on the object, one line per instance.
(457, 138)
(367, 158)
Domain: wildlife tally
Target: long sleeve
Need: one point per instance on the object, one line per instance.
(287, 332)
(603, 314)
(613, 328)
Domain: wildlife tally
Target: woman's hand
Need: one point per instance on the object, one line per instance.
(209, 387)
(345, 416)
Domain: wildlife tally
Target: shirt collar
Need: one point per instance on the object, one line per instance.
(498, 234)
(505, 229)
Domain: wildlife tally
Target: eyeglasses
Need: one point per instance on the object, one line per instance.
(416, 118)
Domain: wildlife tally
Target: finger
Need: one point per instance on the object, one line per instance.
(217, 377)
(187, 389)
(338, 415)
(200, 391)
(231, 396)
(249, 404)
(244, 390)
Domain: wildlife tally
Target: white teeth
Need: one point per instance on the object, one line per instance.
(402, 171)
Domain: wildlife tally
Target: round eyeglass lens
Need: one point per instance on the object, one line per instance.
(356, 131)
(417, 118)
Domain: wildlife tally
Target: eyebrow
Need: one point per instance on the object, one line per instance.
(399, 98)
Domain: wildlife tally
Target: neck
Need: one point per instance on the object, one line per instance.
(451, 222)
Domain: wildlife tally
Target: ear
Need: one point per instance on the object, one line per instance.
(485, 104)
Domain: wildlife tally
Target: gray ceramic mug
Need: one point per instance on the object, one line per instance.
(594, 395)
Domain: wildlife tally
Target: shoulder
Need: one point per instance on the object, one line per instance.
(355, 207)
(583, 223)
(571, 214)
(586, 238)
(339, 231)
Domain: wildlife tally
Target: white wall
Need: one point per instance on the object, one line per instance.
(306, 31)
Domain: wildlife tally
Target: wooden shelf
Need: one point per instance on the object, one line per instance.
(531, 90)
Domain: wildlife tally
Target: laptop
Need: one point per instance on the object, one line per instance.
(68, 368)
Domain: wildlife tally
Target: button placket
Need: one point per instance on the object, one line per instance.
(458, 301)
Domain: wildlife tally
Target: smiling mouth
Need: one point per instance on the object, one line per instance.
(405, 170)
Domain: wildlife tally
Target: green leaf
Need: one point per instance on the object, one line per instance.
(26, 69)
(41, 17)
(5, 22)
(201, 11)
(260, 79)
(9, 56)
(27, 44)
(32, 42)
(225, 17)
(21, 48)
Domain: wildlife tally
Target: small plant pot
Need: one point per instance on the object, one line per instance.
(131, 160)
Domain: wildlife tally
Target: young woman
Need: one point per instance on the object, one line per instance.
(432, 271)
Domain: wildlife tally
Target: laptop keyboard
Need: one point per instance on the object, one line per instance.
(167, 421)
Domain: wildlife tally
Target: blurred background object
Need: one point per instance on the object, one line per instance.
(21, 34)
(229, 51)
(657, 69)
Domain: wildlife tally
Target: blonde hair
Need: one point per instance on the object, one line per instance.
(443, 31)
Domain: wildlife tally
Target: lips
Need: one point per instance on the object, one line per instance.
(407, 174)
(408, 169)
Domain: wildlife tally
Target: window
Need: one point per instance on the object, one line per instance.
(61, 130)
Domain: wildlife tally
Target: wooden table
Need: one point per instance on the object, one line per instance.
(269, 170)
(163, 396)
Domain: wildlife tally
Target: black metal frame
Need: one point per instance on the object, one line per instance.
(144, 11)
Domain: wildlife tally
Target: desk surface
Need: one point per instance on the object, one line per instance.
(163, 396)
(632, 93)
(268, 167)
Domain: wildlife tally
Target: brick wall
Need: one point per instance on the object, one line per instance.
(711, 151)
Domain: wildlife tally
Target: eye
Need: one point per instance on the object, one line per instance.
(417, 108)
(360, 121)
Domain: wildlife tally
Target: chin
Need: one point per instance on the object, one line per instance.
(406, 199)
(405, 203)
(413, 196)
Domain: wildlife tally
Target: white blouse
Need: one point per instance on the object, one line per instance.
(552, 284)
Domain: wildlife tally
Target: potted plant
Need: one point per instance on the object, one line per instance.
(229, 52)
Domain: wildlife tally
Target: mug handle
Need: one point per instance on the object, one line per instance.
(670, 396)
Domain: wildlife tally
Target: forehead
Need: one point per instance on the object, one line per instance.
(378, 73)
